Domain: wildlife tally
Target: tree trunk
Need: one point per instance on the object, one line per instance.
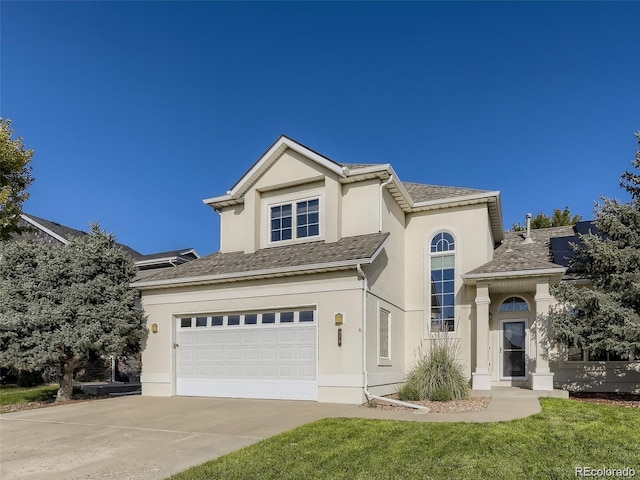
(65, 392)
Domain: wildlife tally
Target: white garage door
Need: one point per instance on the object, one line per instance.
(248, 355)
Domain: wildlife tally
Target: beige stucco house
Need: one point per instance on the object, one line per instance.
(330, 277)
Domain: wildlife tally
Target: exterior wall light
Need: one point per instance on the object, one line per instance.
(154, 328)
(339, 318)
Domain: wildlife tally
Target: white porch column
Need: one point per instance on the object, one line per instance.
(542, 378)
(482, 377)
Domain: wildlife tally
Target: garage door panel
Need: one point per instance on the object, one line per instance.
(267, 354)
(250, 338)
(286, 354)
(261, 361)
(305, 353)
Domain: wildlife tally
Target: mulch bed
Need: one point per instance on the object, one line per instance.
(630, 400)
(473, 404)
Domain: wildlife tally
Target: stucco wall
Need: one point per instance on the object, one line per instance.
(474, 247)
(340, 368)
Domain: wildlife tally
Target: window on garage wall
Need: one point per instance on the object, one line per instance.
(384, 337)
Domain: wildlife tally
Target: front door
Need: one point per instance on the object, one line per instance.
(513, 348)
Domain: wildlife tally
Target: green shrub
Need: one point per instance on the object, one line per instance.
(438, 369)
(408, 393)
(440, 394)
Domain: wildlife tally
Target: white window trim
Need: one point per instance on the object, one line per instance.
(384, 361)
(432, 255)
(294, 220)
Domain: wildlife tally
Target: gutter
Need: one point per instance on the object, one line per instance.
(541, 272)
(382, 185)
(365, 371)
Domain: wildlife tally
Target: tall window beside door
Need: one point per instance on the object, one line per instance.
(442, 266)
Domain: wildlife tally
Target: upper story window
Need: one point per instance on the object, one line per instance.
(295, 220)
(514, 304)
(443, 294)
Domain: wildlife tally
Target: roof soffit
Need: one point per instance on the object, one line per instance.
(235, 195)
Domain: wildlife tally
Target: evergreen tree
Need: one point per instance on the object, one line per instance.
(606, 316)
(60, 305)
(560, 218)
(15, 178)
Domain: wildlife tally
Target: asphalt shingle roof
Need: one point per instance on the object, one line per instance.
(514, 254)
(297, 255)
(421, 192)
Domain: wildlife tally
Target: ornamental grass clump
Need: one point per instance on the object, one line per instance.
(437, 375)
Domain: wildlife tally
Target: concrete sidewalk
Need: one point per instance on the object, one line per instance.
(154, 437)
(507, 403)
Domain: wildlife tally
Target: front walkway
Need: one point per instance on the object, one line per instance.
(507, 403)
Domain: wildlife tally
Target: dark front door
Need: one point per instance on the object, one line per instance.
(514, 349)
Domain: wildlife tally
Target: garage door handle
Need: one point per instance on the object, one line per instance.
(175, 345)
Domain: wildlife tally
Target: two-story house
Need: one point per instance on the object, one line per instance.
(331, 277)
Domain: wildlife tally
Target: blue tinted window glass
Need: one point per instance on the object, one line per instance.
(233, 320)
(286, 317)
(306, 316)
(201, 321)
(216, 321)
(250, 319)
(268, 318)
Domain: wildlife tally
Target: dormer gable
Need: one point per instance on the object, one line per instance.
(235, 195)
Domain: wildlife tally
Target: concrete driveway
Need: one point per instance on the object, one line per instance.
(141, 437)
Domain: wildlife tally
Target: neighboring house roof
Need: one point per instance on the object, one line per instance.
(272, 262)
(170, 258)
(411, 197)
(548, 252)
(55, 234)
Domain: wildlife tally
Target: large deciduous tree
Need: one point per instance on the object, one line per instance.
(605, 317)
(15, 178)
(60, 305)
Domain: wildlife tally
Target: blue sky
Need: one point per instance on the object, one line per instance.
(139, 110)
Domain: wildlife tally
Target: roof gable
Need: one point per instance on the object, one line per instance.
(265, 162)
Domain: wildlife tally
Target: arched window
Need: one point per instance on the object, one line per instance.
(514, 304)
(443, 293)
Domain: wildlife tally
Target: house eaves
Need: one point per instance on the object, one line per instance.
(255, 274)
(492, 199)
(473, 278)
(295, 259)
(234, 196)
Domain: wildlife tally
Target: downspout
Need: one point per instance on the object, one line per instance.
(365, 371)
(382, 185)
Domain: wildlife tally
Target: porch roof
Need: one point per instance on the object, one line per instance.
(519, 257)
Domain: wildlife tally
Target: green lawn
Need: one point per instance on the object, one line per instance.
(12, 394)
(567, 434)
